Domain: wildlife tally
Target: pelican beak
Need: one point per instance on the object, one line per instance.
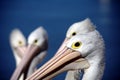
(30, 53)
(21, 51)
(62, 46)
(62, 58)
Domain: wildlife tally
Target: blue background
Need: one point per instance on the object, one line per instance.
(56, 16)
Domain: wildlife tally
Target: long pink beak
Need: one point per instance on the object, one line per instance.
(30, 53)
(21, 51)
(63, 57)
(62, 46)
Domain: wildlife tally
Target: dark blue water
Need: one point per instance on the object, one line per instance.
(56, 16)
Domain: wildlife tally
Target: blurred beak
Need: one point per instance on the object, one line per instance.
(21, 51)
(64, 56)
(30, 53)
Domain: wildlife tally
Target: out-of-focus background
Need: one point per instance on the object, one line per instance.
(56, 16)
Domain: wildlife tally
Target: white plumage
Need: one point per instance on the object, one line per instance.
(18, 44)
(83, 27)
(92, 49)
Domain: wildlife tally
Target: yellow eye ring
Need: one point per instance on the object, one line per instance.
(76, 45)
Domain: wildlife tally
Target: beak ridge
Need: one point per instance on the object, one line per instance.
(54, 63)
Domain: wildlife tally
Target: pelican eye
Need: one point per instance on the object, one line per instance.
(35, 41)
(20, 42)
(76, 45)
(74, 33)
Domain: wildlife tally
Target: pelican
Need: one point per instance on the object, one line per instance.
(18, 45)
(37, 43)
(41, 55)
(89, 46)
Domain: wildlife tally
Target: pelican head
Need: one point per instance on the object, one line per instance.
(79, 46)
(82, 27)
(37, 42)
(18, 44)
(77, 28)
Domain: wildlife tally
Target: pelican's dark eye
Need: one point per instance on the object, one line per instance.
(20, 42)
(74, 33)
(76, 45)
(35, 41)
